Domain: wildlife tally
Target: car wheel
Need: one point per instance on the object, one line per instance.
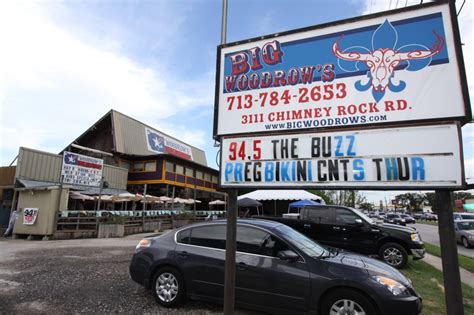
(168, 287)
(347, 301)
(465, 242)
(394, 254)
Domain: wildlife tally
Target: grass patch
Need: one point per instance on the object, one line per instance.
(464, 261)
(428, 282)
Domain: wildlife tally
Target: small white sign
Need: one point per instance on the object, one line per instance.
(29, 216)
(406, 157)
(82, 170)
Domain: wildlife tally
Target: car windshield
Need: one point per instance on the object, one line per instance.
(363, 216)
(466, 226)
(392, 216)
(467, 216)
(306, 245)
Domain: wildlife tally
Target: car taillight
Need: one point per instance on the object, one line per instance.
(144, 243)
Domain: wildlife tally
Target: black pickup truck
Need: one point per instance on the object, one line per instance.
(347, 228)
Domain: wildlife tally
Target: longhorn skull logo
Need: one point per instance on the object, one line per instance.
(383, 59)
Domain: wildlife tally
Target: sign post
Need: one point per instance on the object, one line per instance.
(449, 253)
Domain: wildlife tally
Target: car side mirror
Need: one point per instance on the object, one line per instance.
(358, 222)
(288, 255)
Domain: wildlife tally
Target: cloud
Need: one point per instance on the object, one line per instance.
(54, 85)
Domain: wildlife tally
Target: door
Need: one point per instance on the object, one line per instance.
(262, 278)
(201, 255)
(319, 224)
(351, 235)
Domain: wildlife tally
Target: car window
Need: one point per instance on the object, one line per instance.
(344, 216)
(320, 215)
(213, 236)
(183, 236)
(255, 241)
(300, 241)
(466, 226)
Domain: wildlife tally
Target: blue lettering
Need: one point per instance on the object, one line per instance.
(351, 145)
(310, 171)
(269, 171)
(238, 172)
(228, 171)
(358, 166)
(392, 169)
(338, 146)
(284, 171)
(418, 168)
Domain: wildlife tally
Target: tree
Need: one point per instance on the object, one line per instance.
(461, 195)
(412, 201)
(341, 197)
(366, 206)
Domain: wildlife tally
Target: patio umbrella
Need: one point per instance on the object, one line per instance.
(164, 198)
(79, 196)
(217, 202)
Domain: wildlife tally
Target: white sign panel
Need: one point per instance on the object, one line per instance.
(162, 144)
(29, 216)
(387, 69)
(409, 157)
(82, 170)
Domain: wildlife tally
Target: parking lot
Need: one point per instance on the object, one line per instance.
(76, 276)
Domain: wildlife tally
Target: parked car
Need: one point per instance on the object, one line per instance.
(464, 230)
(394, 218)
(418, 215)
(429, 217)
(347, 228)
(278, 270)
(408, 218)
(463, 216)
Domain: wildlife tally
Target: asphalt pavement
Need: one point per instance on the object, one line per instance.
(430, 234)
(78, 276)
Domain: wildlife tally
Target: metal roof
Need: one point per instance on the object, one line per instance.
(130, 138)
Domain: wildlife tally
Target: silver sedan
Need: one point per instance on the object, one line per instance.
(464, 230)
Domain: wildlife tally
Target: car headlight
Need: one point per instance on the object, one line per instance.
(393, 286)
(144, 243)
(415, 237)
(471, 237)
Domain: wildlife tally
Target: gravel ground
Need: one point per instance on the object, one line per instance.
(77, 276)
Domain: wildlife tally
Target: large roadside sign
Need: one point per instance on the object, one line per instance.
(81, 170)
(391, 68)
(417, 157)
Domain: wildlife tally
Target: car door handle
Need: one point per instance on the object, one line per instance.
(336, 228)
(307, 225)
(183, 255)
(242, 266)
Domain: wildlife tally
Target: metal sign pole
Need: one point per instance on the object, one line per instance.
(230, 248)
(449, 253)
(229, 284)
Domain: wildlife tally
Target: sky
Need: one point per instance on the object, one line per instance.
(64, 64)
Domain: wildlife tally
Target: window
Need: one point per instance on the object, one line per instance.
(209, 236)
(150, 166)
(214, 179)
(344, 216)
(169, 167)
(189, 172)
(138, 167)
(207, 177)
(321, 215)
(254, 241)
(198, 174)
(179, 169)
(184, 236)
